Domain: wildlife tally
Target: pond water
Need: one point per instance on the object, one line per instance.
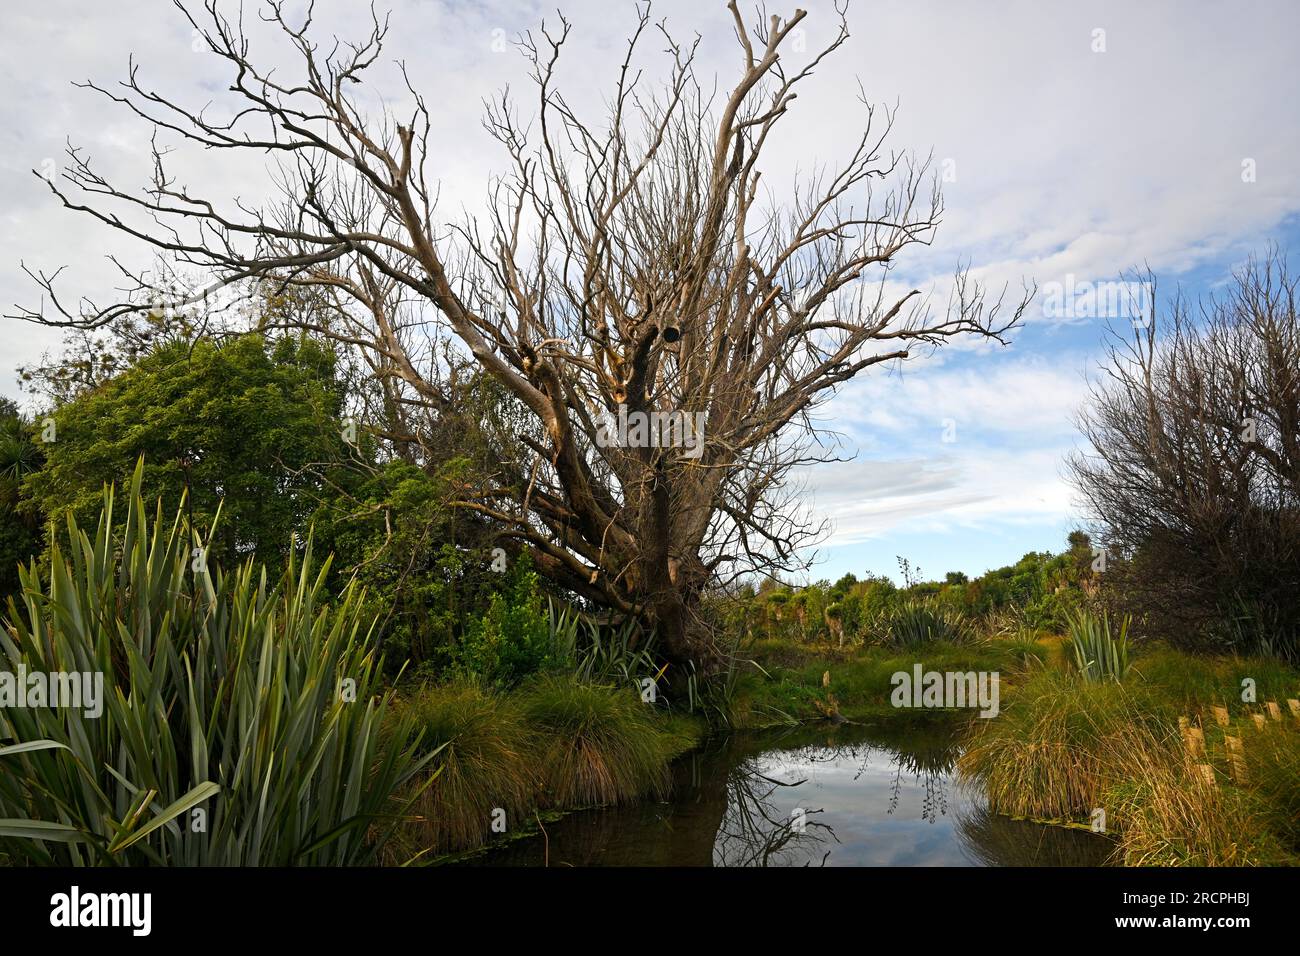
(868, 796)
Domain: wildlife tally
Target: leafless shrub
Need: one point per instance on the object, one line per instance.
(1194, 474)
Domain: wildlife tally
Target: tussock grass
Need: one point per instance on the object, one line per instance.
(555, 743)
(1063, 746)
(596, 744)
(488, 761)
(1045, 754)
(1273, 767)
(1169, 815)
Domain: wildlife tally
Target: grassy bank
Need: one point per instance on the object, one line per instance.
(788, 682)
(556, 743)
(1186, 771)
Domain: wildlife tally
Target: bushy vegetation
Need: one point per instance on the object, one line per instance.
(242, 724)
(1040, 592)
(792, 682)
(915, 622)
(512, 639)
(1065, 745)
(259, 427)
(1193, 474)
(558, 742)
(20, 523)
(235, 426)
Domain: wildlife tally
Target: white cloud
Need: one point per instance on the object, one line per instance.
(1011, 419)
(1018, 399)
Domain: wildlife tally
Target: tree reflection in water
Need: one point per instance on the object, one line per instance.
(755, 831)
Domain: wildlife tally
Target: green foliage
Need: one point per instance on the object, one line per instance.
(1042, 756)
(623, 654)
(916, 622)
(1273, 767)
(1062, 746)
(1041, 590)
(1051, 611)
(789, 685)
(1100, 652)
(1189, 682)
(554, 743)
(427, 571)
(261, 707)
(239, 422)
(485, 759)
(512, 639)
(20, 520)
(598, 744)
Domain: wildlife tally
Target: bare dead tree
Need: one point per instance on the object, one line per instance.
(1193, 478)
(630, 263)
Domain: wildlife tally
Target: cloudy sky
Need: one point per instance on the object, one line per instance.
(1076, 141)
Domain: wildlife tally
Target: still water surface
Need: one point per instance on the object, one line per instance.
(869, 796)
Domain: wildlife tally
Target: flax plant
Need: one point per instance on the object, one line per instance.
(242, 724)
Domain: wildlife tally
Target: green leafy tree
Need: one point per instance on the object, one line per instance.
(246, 424)
(20, 526)
(428, 568)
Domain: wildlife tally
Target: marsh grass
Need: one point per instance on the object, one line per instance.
(789, 689)
(556, 743)
(488, 761)
(1191, 684)
(1272, 761)
(1044, 755)
(1063, 746)
(916, 622)
(1169, 815)
(596, 744)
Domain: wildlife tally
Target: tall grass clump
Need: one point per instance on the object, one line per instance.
(241, 724)
(1100, 651)
(1273, 771)
(1045, 754)
(1064, 746)
(916, 622)
(484, 761)
(597, 744)
(1167, 814)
